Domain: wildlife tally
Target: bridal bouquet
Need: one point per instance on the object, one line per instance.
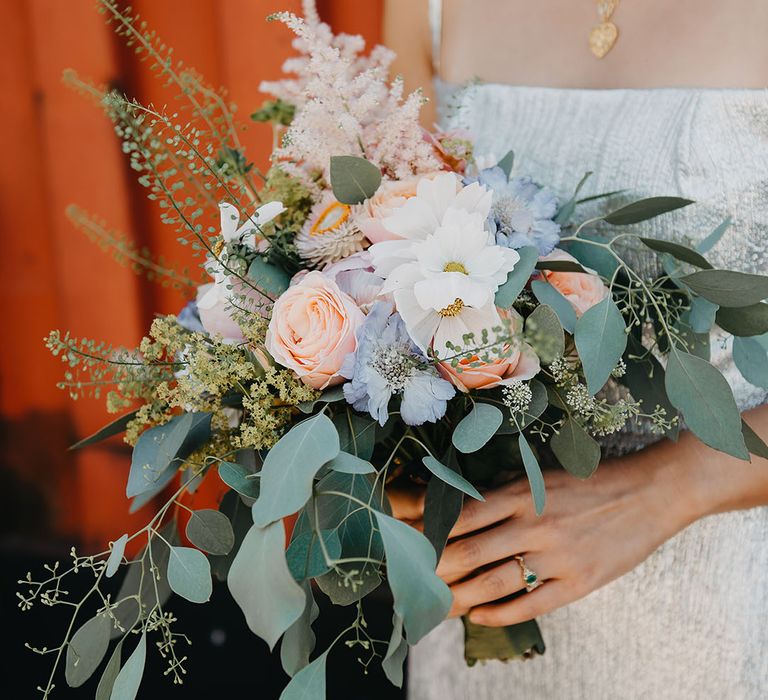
(381, 305)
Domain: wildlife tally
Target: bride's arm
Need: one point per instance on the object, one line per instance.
(406, 31)
(592, 531)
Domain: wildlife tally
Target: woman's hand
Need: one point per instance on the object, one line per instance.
(591, 531)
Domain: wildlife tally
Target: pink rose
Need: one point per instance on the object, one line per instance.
(215, 305)
(582, 290)
(391, 195)
(520, 365)
(313, 328)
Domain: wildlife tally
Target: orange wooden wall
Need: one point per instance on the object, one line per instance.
(56, 148)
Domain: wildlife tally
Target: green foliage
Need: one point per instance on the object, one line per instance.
(751, 359)
(727, 287)
(272, 279)
(566, 212)
(237, 477)
(160, 450)
(309, 683)
(575, 449)
(87, 649)
(299, 639)
(645, 209)
(442, 506)
(710, 241)
(753, 441)
(601, 339)
(211, 531)
(507, 162)
(290, 467)
(353, 179)
(357, 433)
(477, 427)
(544, 332)
(533, 472)
(115, 556)
(702, 315)
(189, 574)
(517, 279)
(262, 585)
(397, 650)
(745, 321)
(678, 252)
(422, 599)
(547, 294)
(308, 557)
(108, 677)
(116, 427)
(128, 680)
(349, 464)
(451, 476)
(706, 402)
(239, 515)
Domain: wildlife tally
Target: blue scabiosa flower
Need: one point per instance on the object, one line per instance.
(521, 211)
(189, 318)
(388, 363)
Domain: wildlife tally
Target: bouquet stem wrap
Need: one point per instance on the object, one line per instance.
(521, 641)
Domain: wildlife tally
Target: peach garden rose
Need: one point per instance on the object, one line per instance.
(520, 365)
(581, 289)
(313, 328)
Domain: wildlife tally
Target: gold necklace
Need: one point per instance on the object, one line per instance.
(604, 34)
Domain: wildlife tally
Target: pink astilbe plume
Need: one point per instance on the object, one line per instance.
(346, 106)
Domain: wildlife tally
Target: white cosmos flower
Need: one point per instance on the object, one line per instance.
(421, 215)
(451, 280)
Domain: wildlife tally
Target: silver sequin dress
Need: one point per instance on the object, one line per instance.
(691, 622)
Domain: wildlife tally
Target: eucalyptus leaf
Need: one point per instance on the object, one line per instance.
(290, 467)
(544, 333)
(239, 515)
(397, 650)
(210, 531)
(751, 360)
(727, 287)
(678, 251)
(561, 266)
(115, 556)
(565, 213)
(702, 395)
(746, 321)
(237, 477)
(127, 683)
(645, 380)
(601, 339)
(306, 556)
(507, 162)
(451, 477)
(116, 427)
(160, 450)
(309, 683)
(575, 449)
(533, 472)
(267, 277)
(645, 209)
(349, 464)
(357, 434)
(477, 427)
(353, 524)
(189, 574)
(86, 650)
(753, 441)
(706, 244)
(702, 315)
(547, 294)
(353, 179)
(422, 599)
(517, 279)
(109, 675)
(262, 585)
(590, 252)
(442, 506)
(332, 395)
(299, 639)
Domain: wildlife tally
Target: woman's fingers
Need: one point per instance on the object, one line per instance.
(407, 502)
(486, 587)
(499, 504)
(549, 596)
(464, 555)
